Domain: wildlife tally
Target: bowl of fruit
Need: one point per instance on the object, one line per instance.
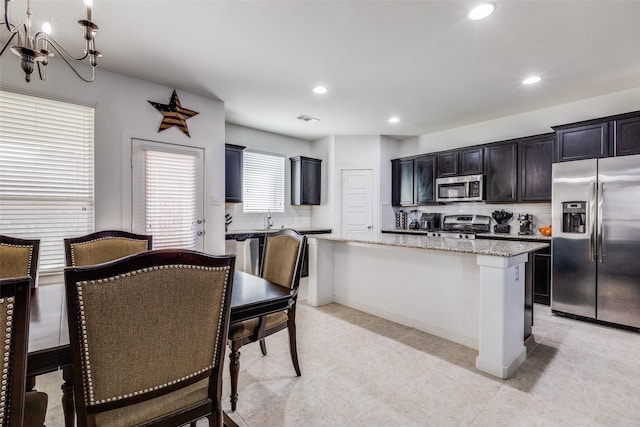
(545, 230)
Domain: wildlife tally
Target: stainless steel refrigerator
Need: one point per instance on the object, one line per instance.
(596, 239)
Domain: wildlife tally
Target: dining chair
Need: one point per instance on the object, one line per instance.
(19, 257)
(103, 246)
(140, 327)
(17, 408)
(281, 264)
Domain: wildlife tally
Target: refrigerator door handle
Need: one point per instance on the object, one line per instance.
(600, 229)
(592, 221)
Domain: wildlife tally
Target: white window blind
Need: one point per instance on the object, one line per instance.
(166, 188)
(263, 182)
(46, 173)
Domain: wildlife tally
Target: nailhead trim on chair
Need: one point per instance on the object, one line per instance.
(89, 399)
(22, 246)
(73, 253)
(6, 360)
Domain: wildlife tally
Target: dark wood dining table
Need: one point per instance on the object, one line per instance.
(49, 335)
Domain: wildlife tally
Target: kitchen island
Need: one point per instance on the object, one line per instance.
(467, 291)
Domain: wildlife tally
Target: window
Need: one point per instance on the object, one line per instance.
(263, 182)
(167, 194)
(46, 173)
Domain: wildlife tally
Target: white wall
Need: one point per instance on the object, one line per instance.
(122, 112)
(253, 139)
(357, 152)
(531, 123)
(323, 215)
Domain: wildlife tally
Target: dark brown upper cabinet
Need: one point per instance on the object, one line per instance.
(582, 142)
(424, 178)
(501, 172)
(627, 136)
(447, 164)
(471, 161)
(535, 160)
(305, 180)
(402, 182)
(233, 173)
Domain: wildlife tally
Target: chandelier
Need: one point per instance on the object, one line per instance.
(34, 50)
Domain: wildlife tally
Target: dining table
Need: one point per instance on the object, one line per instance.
(49, 351)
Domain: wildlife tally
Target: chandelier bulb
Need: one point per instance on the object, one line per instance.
(46, 27)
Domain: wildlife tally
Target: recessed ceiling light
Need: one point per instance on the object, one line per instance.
(531, 80)
(394, 120)
(481, 11)
(320, 90)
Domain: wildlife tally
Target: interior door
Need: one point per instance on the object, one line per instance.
(168, 182)
(357, 201)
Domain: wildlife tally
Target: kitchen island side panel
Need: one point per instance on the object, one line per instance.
(433, 291)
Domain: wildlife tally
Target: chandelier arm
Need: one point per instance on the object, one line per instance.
(93, 70)
(6, 45)
(62, 51)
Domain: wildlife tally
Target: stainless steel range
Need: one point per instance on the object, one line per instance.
(462, 226)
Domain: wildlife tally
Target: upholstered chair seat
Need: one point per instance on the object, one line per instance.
(281, 264)
(104, 246)
(35, 408)
(17, 408)
(19, 258)
(141, 341)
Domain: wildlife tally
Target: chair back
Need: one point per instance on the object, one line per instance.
(14, 320)
(282, 258)
(149, 330)
(104, 246)
(19, 258)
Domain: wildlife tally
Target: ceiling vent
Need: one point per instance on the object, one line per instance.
(307, 118)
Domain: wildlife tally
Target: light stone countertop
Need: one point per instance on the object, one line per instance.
(492, 247)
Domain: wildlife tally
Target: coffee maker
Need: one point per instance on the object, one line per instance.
(526, 224)
(502, 218)
(430, 221)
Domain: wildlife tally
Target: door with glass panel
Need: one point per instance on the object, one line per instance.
(167, 194)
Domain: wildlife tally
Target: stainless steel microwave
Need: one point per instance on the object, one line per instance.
(469, 188)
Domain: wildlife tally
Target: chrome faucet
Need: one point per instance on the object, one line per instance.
(268, 222)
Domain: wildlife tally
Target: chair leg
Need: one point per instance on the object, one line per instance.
(263, 347)
(234, 370)
(292, 341)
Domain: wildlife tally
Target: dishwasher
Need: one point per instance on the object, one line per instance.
(246, 251)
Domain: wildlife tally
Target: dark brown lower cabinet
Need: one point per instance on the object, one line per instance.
(541, 268)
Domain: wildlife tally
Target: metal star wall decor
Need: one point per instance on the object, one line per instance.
(174, 114)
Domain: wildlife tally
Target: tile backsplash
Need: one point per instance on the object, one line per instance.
(541, 213)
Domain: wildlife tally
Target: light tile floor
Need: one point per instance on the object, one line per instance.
(360, 370)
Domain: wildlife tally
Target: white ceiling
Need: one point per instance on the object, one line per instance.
(423, 61)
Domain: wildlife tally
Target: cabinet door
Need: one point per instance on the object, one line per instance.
(311, 181)
(627, 136)
(305, 181)
(542, 277)
(582, 142)
(536, 159)
(447, 164)
(402, 182)
(501, 169)
(470, 161)
(424, 180)
(233, 173)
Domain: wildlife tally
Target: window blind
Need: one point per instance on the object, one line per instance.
(166, 201)
(46, 173)
(263, 182)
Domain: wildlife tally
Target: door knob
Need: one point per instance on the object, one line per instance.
(368, 227)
